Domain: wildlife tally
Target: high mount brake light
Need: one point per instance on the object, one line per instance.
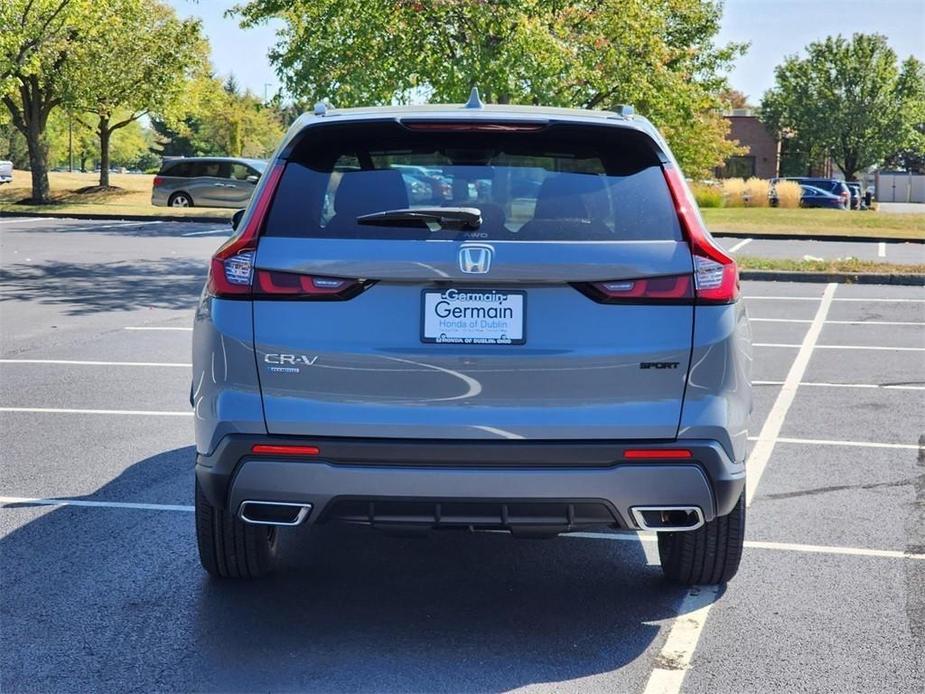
(473, 127)
(232, 269)
(716, 276)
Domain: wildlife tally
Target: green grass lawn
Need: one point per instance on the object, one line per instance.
(852, 265)
(814, 222)
(132, 198)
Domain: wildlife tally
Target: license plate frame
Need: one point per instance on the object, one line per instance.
(515, 299)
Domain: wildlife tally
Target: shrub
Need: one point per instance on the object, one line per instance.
(707, 195)
(788, 194)
(733, 189)
(756, 193)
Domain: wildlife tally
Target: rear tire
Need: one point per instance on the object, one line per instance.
(180, 200)
(231, 548)
(708, 555)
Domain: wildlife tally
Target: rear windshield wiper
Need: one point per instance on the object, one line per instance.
(434, 218)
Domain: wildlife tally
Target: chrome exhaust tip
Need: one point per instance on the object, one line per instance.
(668, 518)
(273, 512)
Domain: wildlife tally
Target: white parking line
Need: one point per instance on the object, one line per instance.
(881, 250)
(760, 544)
(753, 319)
(739, 245)
(24, 220)
(158, 327)
(223, 230)
(841, 442)
(71, 362)
(12, 500)
(887, 386)
(674, 659)
(874, 347)
(64, 410)
(845, 298)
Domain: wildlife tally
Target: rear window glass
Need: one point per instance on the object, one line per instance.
(560, 183)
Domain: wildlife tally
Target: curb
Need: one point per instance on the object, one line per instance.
(96, 216)
(765, 236)
(910, 280)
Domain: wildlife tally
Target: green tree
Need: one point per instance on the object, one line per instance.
(41, 42)
(238, 124)
(143, 62)
(656, 54)
(910, 155)
(847, 99)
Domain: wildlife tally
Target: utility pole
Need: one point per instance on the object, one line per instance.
(70, 144)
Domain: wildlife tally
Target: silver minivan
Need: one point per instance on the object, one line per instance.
(206, 182)
(550, 342)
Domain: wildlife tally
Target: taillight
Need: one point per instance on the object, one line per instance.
(674, 289)
(231, 271)
(158, 180)
(271, 284)
(716, 276)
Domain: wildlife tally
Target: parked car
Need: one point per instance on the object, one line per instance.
(857, 197)
(810, 196)
(830, 185)
(6, 172)
(362, 358)
(206, 182)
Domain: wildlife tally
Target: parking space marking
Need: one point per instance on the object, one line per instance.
(888, 386)
(24, 220)
(14, 500)
(66, 410)
(651, 538)
(881, 250)
(740, 244)
(673, 661)
(874, 347)
(836, 322)
(675, 657)
(157, 327)
(841, 442)
(844, 298)
(223, 230)
(71, 362)
(770, 430)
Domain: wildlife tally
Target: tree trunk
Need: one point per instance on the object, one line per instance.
(38, 163)
(104, 133)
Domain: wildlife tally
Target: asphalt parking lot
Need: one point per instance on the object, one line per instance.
(101, 590)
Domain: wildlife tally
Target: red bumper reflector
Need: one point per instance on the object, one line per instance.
(284, 450)
(656, 453)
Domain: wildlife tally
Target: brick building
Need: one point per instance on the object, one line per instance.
(763, 156)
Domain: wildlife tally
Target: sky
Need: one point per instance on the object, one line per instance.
(774, 28)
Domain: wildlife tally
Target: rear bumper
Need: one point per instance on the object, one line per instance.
(452, 471)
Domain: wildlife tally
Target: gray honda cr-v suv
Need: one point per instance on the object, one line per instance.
(542, 338)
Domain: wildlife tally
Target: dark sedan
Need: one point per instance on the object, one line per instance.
(810, 196)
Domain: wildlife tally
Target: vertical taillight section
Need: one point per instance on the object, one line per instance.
(716, 276)
(231, 272)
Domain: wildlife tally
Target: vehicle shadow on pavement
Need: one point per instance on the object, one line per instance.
(86, 288)
(114, 599)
